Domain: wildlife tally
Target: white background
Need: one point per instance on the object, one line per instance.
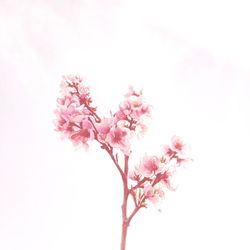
(192, 60)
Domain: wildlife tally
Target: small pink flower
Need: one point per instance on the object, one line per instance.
(149, 165)
(119, 137)
(133, 106)
(66, 112)
(83, 134)
(83, 92)
(134, 175)
(165, 180)
(70, 81)
(104, 127)
(168, 151)
(177, 148)
(131, 92)
(153, 193)
(177, 144)
(140, 129)
(119, 115)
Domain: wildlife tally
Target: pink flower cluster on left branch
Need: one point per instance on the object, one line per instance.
(75, 111)
(77, 118)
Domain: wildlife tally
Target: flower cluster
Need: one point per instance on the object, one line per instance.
(153, 174)
(77, 118)
(74, 111)
(118, 130)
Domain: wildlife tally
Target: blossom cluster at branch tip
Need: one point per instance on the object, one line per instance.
(77, 118)
(74, 110)
(153, 174)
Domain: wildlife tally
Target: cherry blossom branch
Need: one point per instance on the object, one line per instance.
(78, 121)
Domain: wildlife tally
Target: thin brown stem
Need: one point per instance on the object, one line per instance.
(125, 223)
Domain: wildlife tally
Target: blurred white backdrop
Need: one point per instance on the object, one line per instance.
(192, 60)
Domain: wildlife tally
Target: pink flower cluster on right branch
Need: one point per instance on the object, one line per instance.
(152, 176)
(118, 130)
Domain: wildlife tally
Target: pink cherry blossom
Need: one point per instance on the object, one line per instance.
(178, 144)
(119, 137)
(133, 107)
(73, 85)
(104, 127)
(176, 149)
(132, 92)
(69, 84)
(149, 165)
(153, 193)
(83, 134)
(119, 115)
(168, 151)
(134, 175)
(141, 129)
(67, 110)
(166, 180)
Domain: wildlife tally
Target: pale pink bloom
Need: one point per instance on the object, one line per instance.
(131, 92)
(177, 152)
(178, 144)
(138, 107)
(140, 129)
(168, 151)
(135, 107)
(119, 115)
(125, 107)
(69, 84)
(83, 134)
(83, 92)
(149, 165)
(104, 127)
(153, 193)
(166, 180)
(67, 109)
(71, 80)
(176, 149)
(72, 85)
(134, 175)
(119, 137)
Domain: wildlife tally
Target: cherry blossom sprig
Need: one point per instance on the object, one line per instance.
(153, 174)
(78, 120)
